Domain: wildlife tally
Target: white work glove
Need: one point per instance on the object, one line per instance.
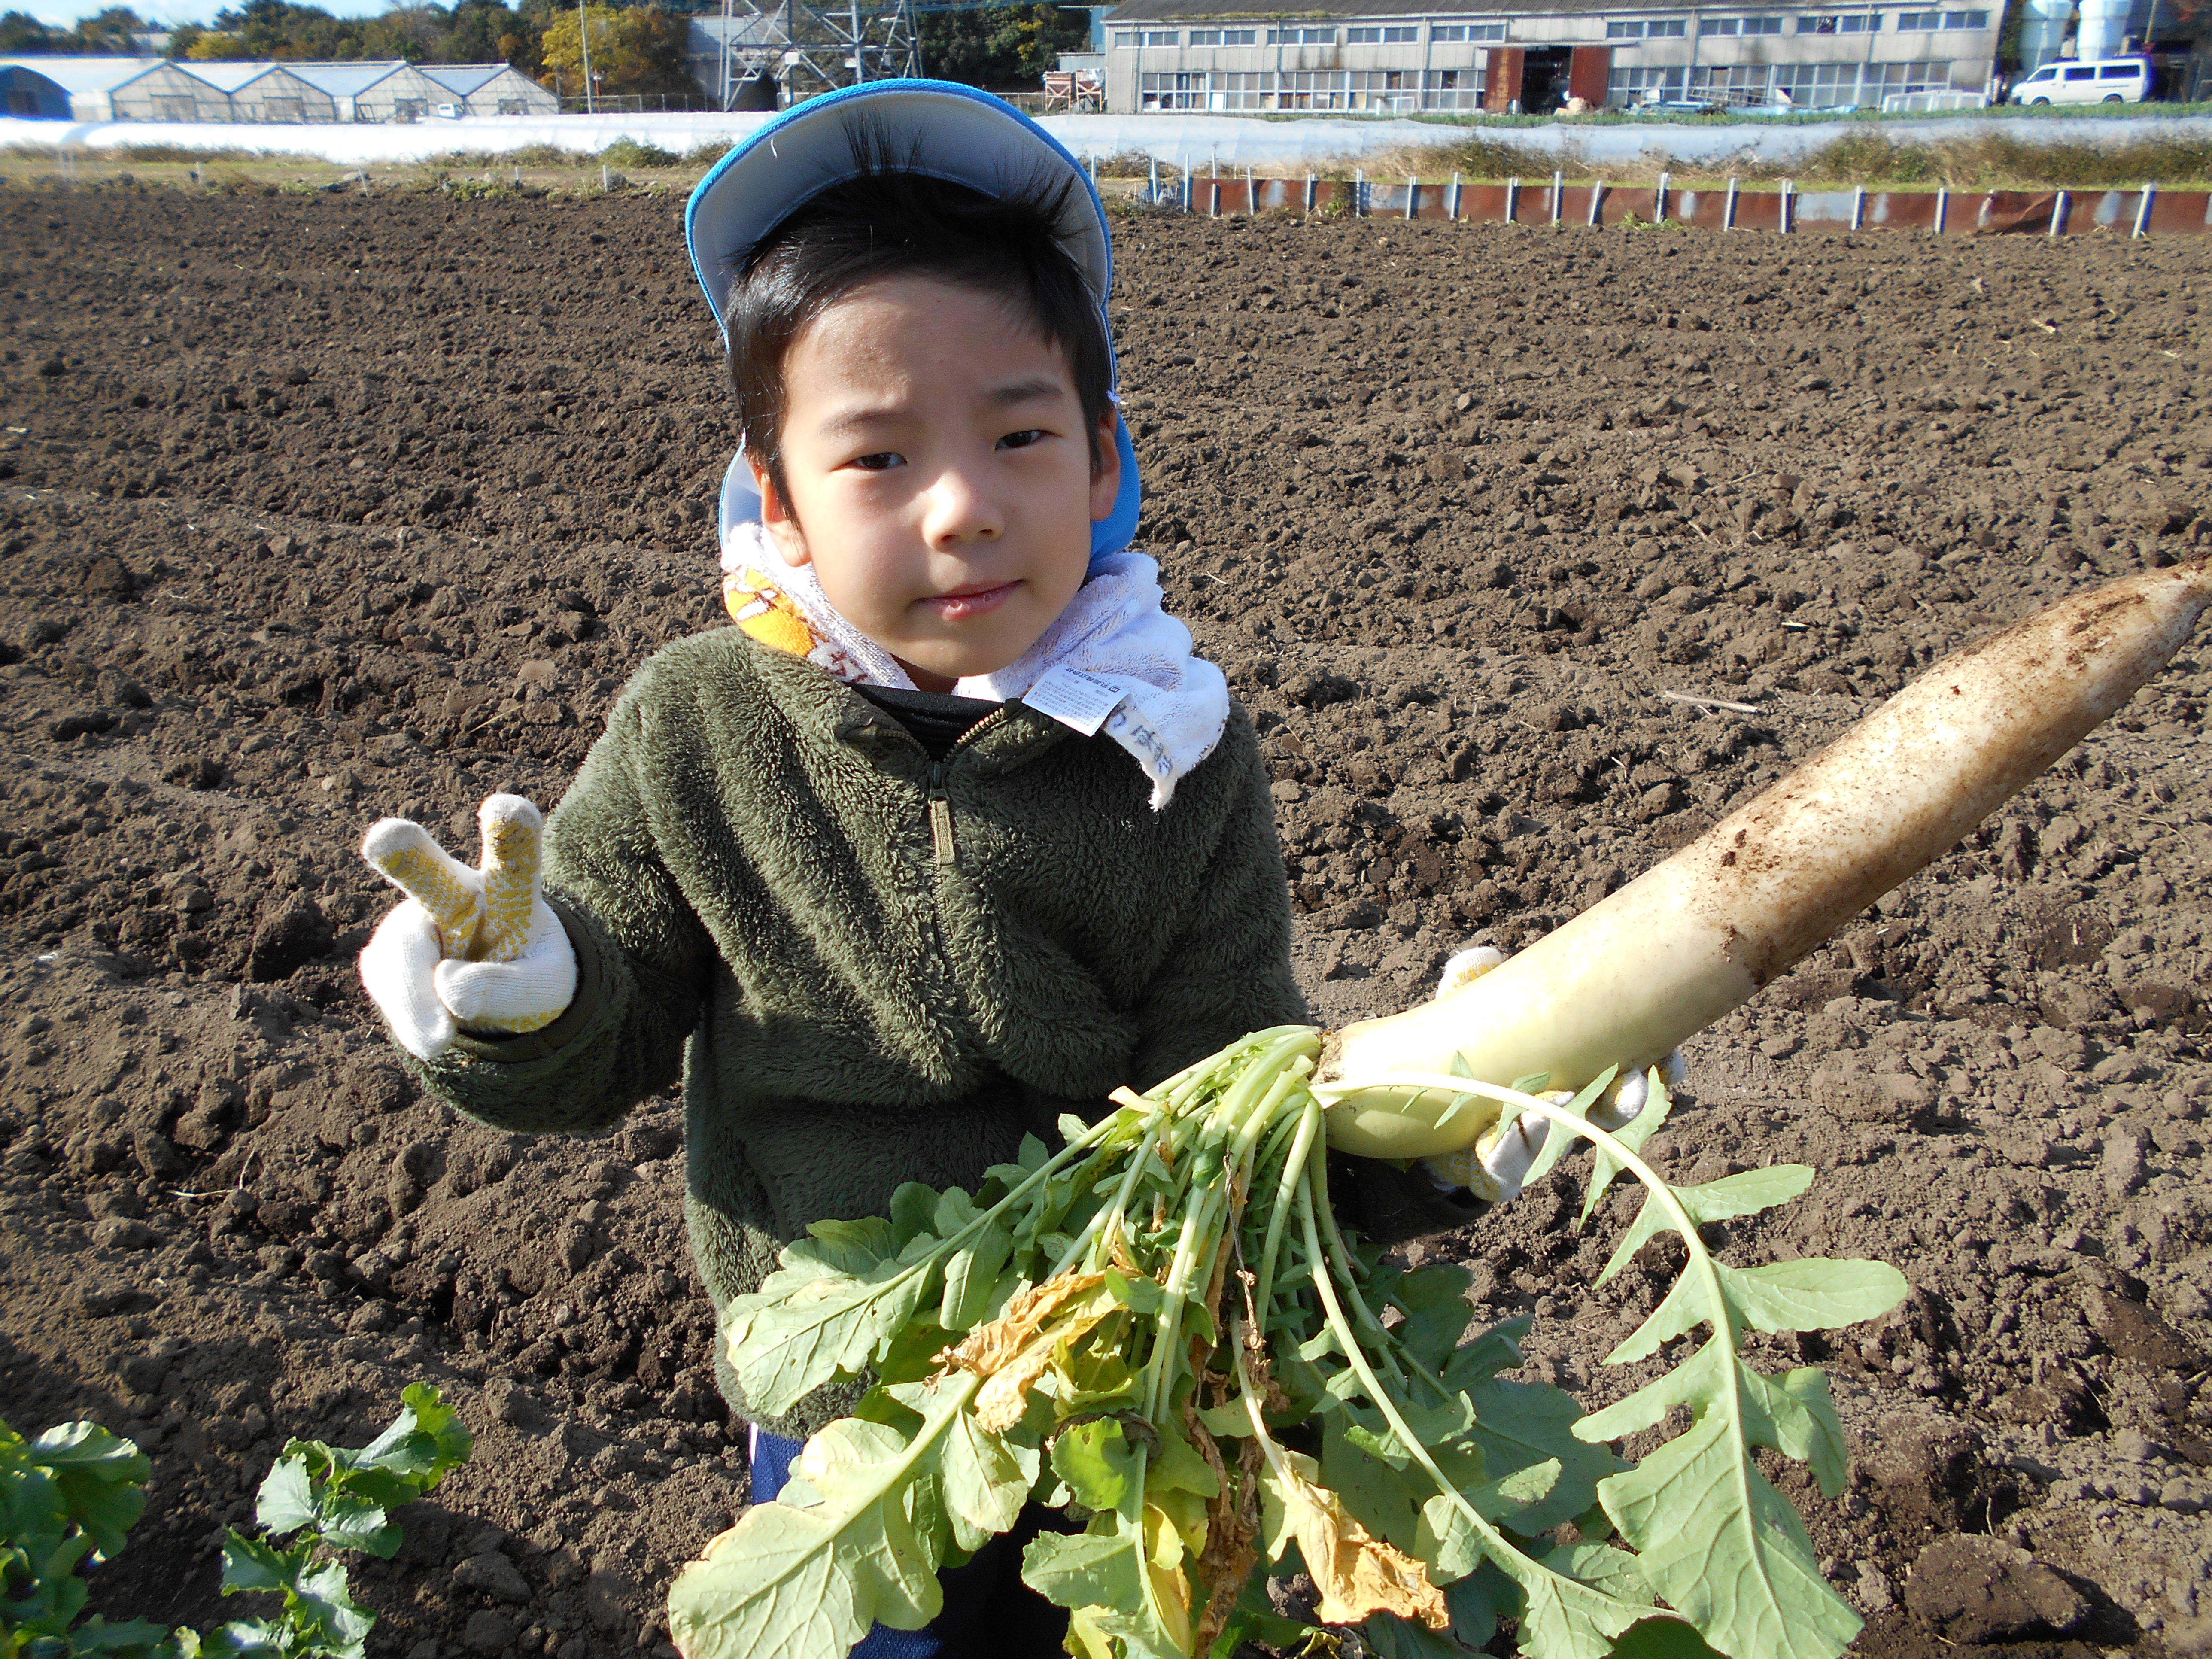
(1494, 1168)
(478, 951)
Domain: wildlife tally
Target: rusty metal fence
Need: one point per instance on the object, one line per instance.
(2145, 212)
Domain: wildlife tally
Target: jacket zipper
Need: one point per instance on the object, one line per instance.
(940, 814)
(945, 850)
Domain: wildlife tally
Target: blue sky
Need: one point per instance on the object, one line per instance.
(69, 12)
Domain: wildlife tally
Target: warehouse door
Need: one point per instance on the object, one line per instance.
(1591, 74)
(1501, 86)
(1544, 78)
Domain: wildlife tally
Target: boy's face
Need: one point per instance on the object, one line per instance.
(938, 475)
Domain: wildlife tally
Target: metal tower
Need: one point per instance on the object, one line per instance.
(806, 47)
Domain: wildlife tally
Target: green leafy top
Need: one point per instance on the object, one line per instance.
(1125, 1327)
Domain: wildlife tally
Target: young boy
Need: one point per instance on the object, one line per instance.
(950, 834)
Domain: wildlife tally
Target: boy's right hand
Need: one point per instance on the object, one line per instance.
(471, 949)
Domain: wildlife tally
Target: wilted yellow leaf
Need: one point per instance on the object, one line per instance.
(1016, 1351)
(989, 1348)
(1356, 1575)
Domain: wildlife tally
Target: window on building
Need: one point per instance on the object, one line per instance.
(1302, 37)
(1450, 89)
(1719, 25)
(1124, 40)
(1738, 25)
(1159, 37)
(1467, 32)
(1643, 86)
(1880, 80)
(1841, 23)
(1365, 35)
(1672, 28)
(1224, 36)
(1731, 84)
(1966, 19)
(1819, 85)
(1625, 31)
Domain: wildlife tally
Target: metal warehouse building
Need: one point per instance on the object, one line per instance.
(1404, 55)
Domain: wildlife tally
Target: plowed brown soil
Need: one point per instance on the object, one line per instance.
(312, 510)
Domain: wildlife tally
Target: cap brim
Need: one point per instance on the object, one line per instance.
(937, 127)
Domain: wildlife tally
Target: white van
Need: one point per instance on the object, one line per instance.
(2096, 81)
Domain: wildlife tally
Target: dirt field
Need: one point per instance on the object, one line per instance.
(317, 509)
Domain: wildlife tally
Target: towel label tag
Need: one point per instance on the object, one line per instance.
(1074, 698)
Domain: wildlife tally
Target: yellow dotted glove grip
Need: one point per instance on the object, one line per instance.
(512, 831)
(1465, 1167)
(404, 853)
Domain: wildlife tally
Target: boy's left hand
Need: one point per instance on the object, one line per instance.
(1495, 1165)
(471, 949)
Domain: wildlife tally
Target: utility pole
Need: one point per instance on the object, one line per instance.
(584, 39)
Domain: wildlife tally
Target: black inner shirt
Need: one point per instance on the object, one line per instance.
(936, 720)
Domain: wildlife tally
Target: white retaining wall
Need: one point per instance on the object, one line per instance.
(1198, 141)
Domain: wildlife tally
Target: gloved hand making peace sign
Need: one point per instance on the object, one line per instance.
(479, 949)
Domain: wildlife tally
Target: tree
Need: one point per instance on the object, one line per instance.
(23, 35)
(110, 31)
(1007, 48)
(636, 49)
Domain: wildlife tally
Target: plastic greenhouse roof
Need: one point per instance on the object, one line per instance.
(346, 80)
(462, 78)
(85, 74)
(227, 77)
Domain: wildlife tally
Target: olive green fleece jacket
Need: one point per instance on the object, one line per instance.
(872, 968)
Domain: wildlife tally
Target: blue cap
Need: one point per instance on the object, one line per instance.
(940, 128)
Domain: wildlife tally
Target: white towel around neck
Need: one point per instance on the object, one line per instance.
(1114, 662)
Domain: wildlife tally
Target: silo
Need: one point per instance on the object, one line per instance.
(2104, 28)
(2042, 32)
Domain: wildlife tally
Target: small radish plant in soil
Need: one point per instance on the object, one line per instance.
(339, 507)
(69, 1497)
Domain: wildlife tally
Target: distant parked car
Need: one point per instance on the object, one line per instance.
(2094, 80)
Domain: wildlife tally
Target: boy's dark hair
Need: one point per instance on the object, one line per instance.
(895, 221)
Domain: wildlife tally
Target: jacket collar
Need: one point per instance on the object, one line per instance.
(825, 710)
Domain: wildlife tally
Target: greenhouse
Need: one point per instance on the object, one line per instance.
(69, 89)
(170, 91)
(268, 92)
(492, 90)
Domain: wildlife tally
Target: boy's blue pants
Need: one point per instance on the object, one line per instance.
(987, 1610)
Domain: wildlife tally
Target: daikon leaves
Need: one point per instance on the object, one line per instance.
(1125, 1328)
